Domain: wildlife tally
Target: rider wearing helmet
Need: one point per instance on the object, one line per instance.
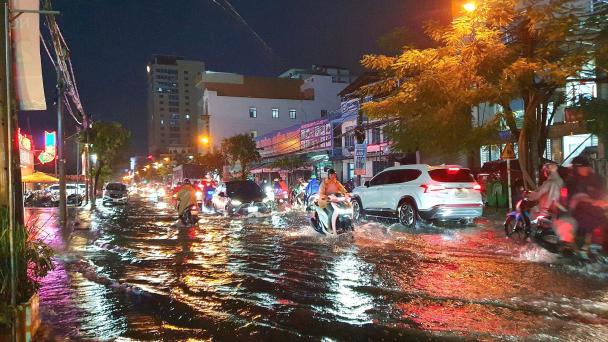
(330, 186)
(548, 194)
(186, 197)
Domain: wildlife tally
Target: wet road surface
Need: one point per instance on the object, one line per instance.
(137, 275)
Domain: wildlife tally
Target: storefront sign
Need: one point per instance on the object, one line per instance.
(50, 143)
(26, 151)
(360, 154)
(316, 136)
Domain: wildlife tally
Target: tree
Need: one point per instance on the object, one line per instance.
(108, 141)
(241, 149)
(504, 51)
(595, 113)
(212, 161)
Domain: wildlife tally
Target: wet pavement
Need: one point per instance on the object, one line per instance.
(133, 273)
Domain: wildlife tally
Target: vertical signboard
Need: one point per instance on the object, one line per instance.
(360, 155)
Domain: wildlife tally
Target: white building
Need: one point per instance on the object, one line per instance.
(235, 104)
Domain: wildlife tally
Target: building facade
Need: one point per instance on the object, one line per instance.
(234, 104)
(173, 105)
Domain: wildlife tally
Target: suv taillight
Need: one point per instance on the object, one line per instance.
(477, 186)
(432, 187)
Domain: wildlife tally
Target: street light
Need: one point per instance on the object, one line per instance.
(205, 140)
(167, 159)
(470, 6)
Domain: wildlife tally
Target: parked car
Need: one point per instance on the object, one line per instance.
(239, 198)
(70, 189)
(413, 192)
(115, 193)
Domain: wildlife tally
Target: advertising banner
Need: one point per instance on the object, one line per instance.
(316, 136)
(360, 155)
(26, 46)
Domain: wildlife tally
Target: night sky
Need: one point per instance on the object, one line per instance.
(111, 42)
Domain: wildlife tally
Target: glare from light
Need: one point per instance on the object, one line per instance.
(469, 6)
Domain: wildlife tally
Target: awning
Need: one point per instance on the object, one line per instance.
(39, 177)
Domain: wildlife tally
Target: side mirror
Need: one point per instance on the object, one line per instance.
(366, 184)
(222, 194)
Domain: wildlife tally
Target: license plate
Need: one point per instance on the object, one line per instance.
(460, 193)
(252, 209)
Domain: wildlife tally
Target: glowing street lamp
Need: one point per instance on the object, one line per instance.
(204, 140)
(470, 6)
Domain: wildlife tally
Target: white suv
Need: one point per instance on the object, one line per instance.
(411, 192)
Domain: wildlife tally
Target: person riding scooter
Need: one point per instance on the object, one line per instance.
(549, 193)
(330, 186)
(186, 197)
(311, 189)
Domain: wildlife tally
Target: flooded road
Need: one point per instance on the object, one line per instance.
(136, 274)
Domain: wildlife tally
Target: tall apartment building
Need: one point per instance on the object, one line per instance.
(173, 105)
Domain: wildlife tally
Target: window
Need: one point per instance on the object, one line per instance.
(174, 116)
(292, 113)
(162, 122)
(275, 113)
(254, 134)
(379, 166)
(253, 112)
(174, 123)
(376, 135)
(385, 133)
(380, 179)
(324, 113)
(174, 103)
(173, 109)
(452, 175)
(187, 97)
(187, 116)
(402, 176)
(349, 140)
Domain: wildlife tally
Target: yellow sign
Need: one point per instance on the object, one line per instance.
(508, 152)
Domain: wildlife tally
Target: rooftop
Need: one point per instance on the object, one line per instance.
(260, 87)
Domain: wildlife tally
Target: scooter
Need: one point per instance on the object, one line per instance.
(282, 200)
(341, 219)
(190, 215)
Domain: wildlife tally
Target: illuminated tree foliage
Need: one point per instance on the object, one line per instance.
(241, 149)
(503, 51)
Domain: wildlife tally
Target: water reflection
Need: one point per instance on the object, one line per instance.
(273, 278)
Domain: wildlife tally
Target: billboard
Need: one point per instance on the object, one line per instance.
(316, 136)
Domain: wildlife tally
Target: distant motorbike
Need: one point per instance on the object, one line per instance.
(336, 219)
(281, 200)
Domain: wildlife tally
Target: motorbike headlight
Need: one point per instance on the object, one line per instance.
(236, 202)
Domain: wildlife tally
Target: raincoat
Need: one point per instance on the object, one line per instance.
(329, 187)
(186, 197)
(312, 187)
(548, 195)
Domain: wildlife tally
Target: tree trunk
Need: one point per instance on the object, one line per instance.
(96, 184)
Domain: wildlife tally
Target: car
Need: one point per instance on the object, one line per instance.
(414, 192)
(115, 193)
(240, 197)
(70, 189)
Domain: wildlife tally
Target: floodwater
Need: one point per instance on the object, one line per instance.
(134, 274)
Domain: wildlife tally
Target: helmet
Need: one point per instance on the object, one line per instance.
(546, 167)
(580, 161)
(313, 176)
(186, 181)
(331, 172)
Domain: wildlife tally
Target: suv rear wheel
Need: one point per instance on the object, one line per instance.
(408, 215)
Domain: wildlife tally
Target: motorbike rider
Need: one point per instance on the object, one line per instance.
(312, 187)
(548, 194)
(186, 197)
(330, 186)
(298, 189)
(585, 192)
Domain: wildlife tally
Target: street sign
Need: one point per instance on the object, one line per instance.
(508, 153)
(360, 154)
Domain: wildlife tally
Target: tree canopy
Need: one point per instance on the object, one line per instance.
(241, 149)
(506, 50)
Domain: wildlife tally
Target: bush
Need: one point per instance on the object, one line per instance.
(33, 262)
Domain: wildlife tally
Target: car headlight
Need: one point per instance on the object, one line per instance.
(236, 202)
(160, 192)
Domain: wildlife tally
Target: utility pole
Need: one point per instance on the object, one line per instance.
(60, 156)
(360, 137)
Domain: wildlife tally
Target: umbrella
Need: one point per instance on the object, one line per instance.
(39, 177)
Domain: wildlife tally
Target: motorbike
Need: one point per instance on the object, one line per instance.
(297, 197)
(190, 215)
(341, 219)
(208, 197)
(281, 200)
